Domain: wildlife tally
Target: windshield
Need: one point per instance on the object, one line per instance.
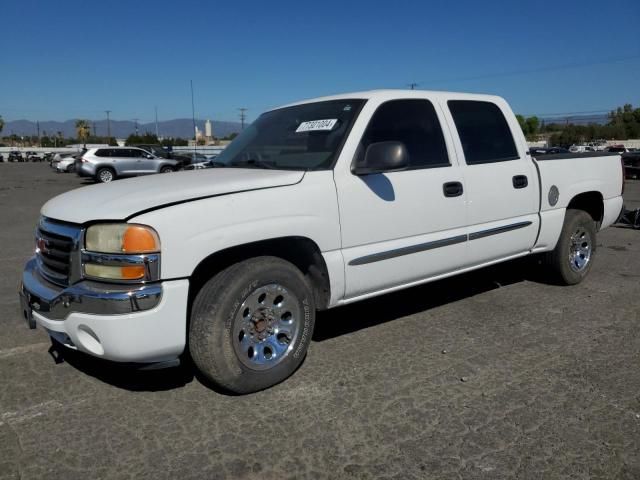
(303, 137)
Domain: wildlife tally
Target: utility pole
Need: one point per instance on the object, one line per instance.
(38, 128)
(242, 116)
(193, 117)
(157, 136)
(94, 129)
(108, 126)
(136, 123)
(413, 85)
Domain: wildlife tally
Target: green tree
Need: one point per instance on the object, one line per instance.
(533, 123)
(147, 137)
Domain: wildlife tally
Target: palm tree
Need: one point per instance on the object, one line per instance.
(82, 130)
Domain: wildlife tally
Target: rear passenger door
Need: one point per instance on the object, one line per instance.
(501, 180)
(123, 161)
(401, 227)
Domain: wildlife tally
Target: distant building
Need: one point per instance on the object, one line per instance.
(208, 130)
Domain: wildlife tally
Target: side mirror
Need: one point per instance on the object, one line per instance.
(382, 157)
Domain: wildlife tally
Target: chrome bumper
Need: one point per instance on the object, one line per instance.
(56, 303)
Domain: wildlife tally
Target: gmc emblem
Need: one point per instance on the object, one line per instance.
(41, 245)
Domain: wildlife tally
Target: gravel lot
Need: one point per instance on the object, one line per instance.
(493, 375)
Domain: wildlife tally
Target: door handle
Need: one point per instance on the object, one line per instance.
(452, 189)
(520, 181)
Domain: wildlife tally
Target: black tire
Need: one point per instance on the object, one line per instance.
(566, 261)
(71, 168)
(105, 175)
(220, 309)
(166, 169)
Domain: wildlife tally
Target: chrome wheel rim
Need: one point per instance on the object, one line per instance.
(580, 249)
(266, 327)
(106, 176)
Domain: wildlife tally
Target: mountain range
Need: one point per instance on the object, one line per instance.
(183, 127)
(179, 127)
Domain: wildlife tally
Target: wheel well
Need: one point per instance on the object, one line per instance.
(590, 202)
(301, 251)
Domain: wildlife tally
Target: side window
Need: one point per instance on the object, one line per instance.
(412, 122)
(122, 153)
(101, 153)
(484, 132)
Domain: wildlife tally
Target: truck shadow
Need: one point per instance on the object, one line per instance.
(386, 308)
(125, 376)
(329, 324)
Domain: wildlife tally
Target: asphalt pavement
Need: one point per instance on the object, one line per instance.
(489, 375)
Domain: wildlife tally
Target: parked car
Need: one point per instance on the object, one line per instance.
(320, 204)
(107, 164)
(15, 156)
(631, 164)
(581, 148)
(548, 151)
(617, 149)
(160, 152)
(557, 150)
(538, 151)
(209, 163)
(33, 156)
(58, 157)
(66, 165)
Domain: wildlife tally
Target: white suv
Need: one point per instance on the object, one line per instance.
(107, 164)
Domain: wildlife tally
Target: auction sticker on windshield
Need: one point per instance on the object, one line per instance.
(317, 125)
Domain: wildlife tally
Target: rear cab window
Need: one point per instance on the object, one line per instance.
(484, 132)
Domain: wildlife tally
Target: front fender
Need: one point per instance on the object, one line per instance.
(189, 232)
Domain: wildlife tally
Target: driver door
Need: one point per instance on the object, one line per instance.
(402, 227)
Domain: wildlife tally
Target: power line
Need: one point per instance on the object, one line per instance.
(565, 66)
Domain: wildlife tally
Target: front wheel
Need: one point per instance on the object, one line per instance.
(573, 256)
(251, 324)
(166, 169)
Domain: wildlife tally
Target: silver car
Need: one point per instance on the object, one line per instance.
(107, 164)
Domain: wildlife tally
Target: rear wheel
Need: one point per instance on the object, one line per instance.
(251, 324)
(71, 168)
(105, 175)
(166, 169)
(573, 256)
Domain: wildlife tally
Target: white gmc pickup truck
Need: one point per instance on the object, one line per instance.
(315, 205)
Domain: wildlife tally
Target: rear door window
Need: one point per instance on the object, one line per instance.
(413, 122)
(484, 132)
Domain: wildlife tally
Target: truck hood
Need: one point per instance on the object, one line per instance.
(123, 199)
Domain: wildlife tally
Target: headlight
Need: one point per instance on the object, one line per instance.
(121, 251)
(121, 238)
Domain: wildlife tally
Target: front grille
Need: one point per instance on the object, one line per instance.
(55, 244)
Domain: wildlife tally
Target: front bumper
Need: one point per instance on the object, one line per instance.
(123, 323)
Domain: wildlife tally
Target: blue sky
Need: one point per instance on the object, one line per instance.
(74, 59)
